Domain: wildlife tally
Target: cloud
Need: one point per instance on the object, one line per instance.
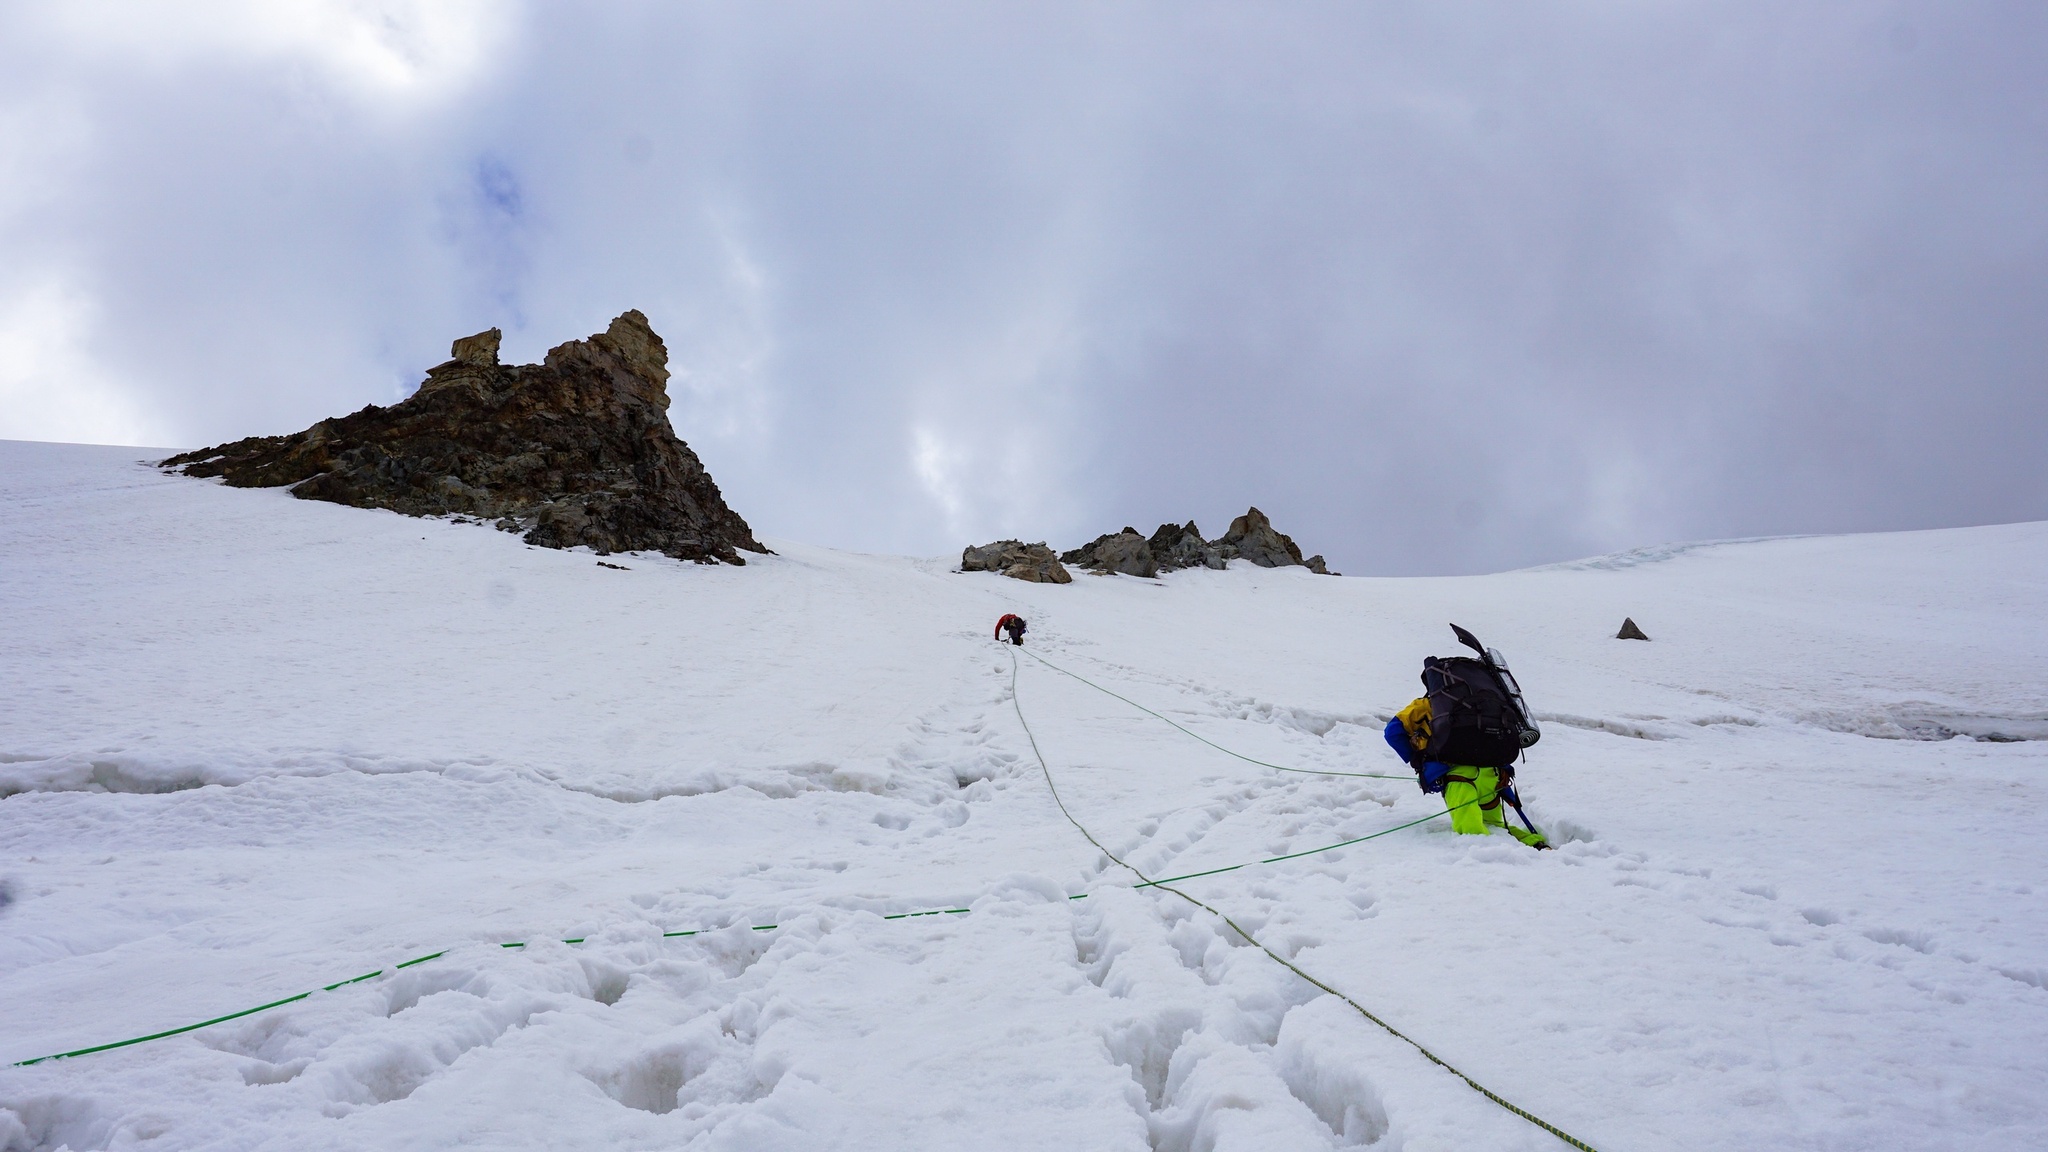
(1440, 288)
(373, 48)
(50, 386)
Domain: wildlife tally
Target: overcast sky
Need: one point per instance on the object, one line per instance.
(1441, 287)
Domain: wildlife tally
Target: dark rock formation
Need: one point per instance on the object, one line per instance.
(1175, 546)
(1084, 556)
(1629, 631)
(1182, 546)
(1017, 560)
(1125, 552)
(575, 450)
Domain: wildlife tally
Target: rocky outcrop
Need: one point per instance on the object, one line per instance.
(1125, 552)
(576, 450)
(1174, 546)
(1017, 560)
(1629, 631)
(1181, 546)
(1254, 538)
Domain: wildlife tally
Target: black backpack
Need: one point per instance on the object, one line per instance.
(1476, 712)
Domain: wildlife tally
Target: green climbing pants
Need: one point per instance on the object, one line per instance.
(1467, 784)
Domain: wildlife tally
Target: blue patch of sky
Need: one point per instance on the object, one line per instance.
(496, 236)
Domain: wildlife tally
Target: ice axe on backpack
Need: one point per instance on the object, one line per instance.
(1494, 661)
(1469, 641)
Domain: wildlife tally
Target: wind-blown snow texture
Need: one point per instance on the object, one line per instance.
(251, 745)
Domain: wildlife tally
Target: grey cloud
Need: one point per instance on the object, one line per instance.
(1442, 288)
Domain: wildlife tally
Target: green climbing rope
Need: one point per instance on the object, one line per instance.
(338, 984)
(232, 1015)
(1204, 739)
(179, 1031)
(1018, 704)
(1311, 851)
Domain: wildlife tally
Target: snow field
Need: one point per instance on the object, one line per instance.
(251, 746)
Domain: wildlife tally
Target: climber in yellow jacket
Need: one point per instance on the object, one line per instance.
(1472, 794)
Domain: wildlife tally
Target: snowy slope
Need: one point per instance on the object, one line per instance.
(250, 746)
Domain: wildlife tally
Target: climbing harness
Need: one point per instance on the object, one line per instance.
(1254, 941)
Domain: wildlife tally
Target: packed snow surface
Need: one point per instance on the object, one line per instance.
(252, 746)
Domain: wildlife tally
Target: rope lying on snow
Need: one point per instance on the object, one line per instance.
(1254, 941)
(1199, 736)
(180, 1031)
(1146, 883)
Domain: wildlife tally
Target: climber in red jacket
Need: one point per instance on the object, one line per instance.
(1014, 625)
